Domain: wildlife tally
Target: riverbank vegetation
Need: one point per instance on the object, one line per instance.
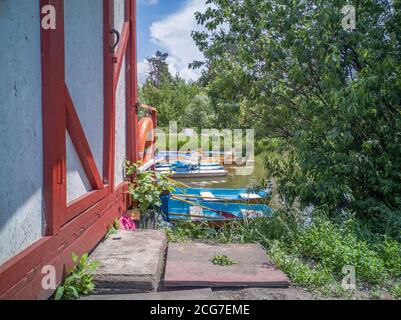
(326, 108)
(314, 255)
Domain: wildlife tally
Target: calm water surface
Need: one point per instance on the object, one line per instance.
(232, 180)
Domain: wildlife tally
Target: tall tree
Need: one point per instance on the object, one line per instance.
(158, 69)
(328, 99)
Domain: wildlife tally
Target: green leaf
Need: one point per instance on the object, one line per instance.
(59, 293)
(74, 292)
(74, 257)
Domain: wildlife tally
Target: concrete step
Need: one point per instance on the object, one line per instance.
(130, 262)
(200, 294)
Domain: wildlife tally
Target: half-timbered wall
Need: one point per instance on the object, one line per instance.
(68, 119)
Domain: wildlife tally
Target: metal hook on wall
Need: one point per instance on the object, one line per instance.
(114, 46)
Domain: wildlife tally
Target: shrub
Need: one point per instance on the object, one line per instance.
(335, 248)
(79, 280)
(300, 273)
(390, 252)
(396, 290)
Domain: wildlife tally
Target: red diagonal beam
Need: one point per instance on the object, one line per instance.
(81, 144)
(119, 57)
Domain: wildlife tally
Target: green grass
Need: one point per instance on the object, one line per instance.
(222, 260)
(334, 248)
(396, 291)
(314, 256)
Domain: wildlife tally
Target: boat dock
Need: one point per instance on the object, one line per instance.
(195, 174)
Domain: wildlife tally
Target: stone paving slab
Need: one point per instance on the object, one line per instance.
(189, 265)
(130, 262)
(199, 294)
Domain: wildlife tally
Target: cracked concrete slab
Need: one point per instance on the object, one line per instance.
(130, 262)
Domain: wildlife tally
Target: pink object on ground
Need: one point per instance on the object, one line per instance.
(126, 223)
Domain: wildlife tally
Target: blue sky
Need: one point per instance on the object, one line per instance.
(166, 25)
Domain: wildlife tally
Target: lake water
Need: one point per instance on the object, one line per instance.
(233, 179)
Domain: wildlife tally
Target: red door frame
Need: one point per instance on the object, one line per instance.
(54, 87)
(80, 226)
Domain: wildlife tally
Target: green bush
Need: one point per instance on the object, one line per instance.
(316, 279)
(396, 291)
(335, 248)
(328, 98)
(188, 231)
(147, 186)
(79, 280)
(390, 252)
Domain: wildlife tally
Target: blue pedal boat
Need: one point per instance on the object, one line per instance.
(179, 166)
(176, 209)
(224, 195)
(188, 170)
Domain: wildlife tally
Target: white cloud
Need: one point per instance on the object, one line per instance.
(143, 69)
(149, 2)
(173, 35)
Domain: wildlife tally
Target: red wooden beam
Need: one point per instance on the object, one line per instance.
(109, 109)
(121, 51)
(133, 49)
(131, 84)
(86, 201)
(154, 120)
(53, 120)
(134, 72)
(81, 144)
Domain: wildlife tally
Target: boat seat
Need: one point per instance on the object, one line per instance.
(251, 214)
(207, 195)
(195, 211)
(249, 196)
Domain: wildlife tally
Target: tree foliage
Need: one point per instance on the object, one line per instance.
(324, 99)
(190, 104)
(158, 69)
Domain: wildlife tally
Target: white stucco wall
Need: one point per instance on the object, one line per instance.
(84, 78)
(121, 141)
(21, 161)
(77, 181)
